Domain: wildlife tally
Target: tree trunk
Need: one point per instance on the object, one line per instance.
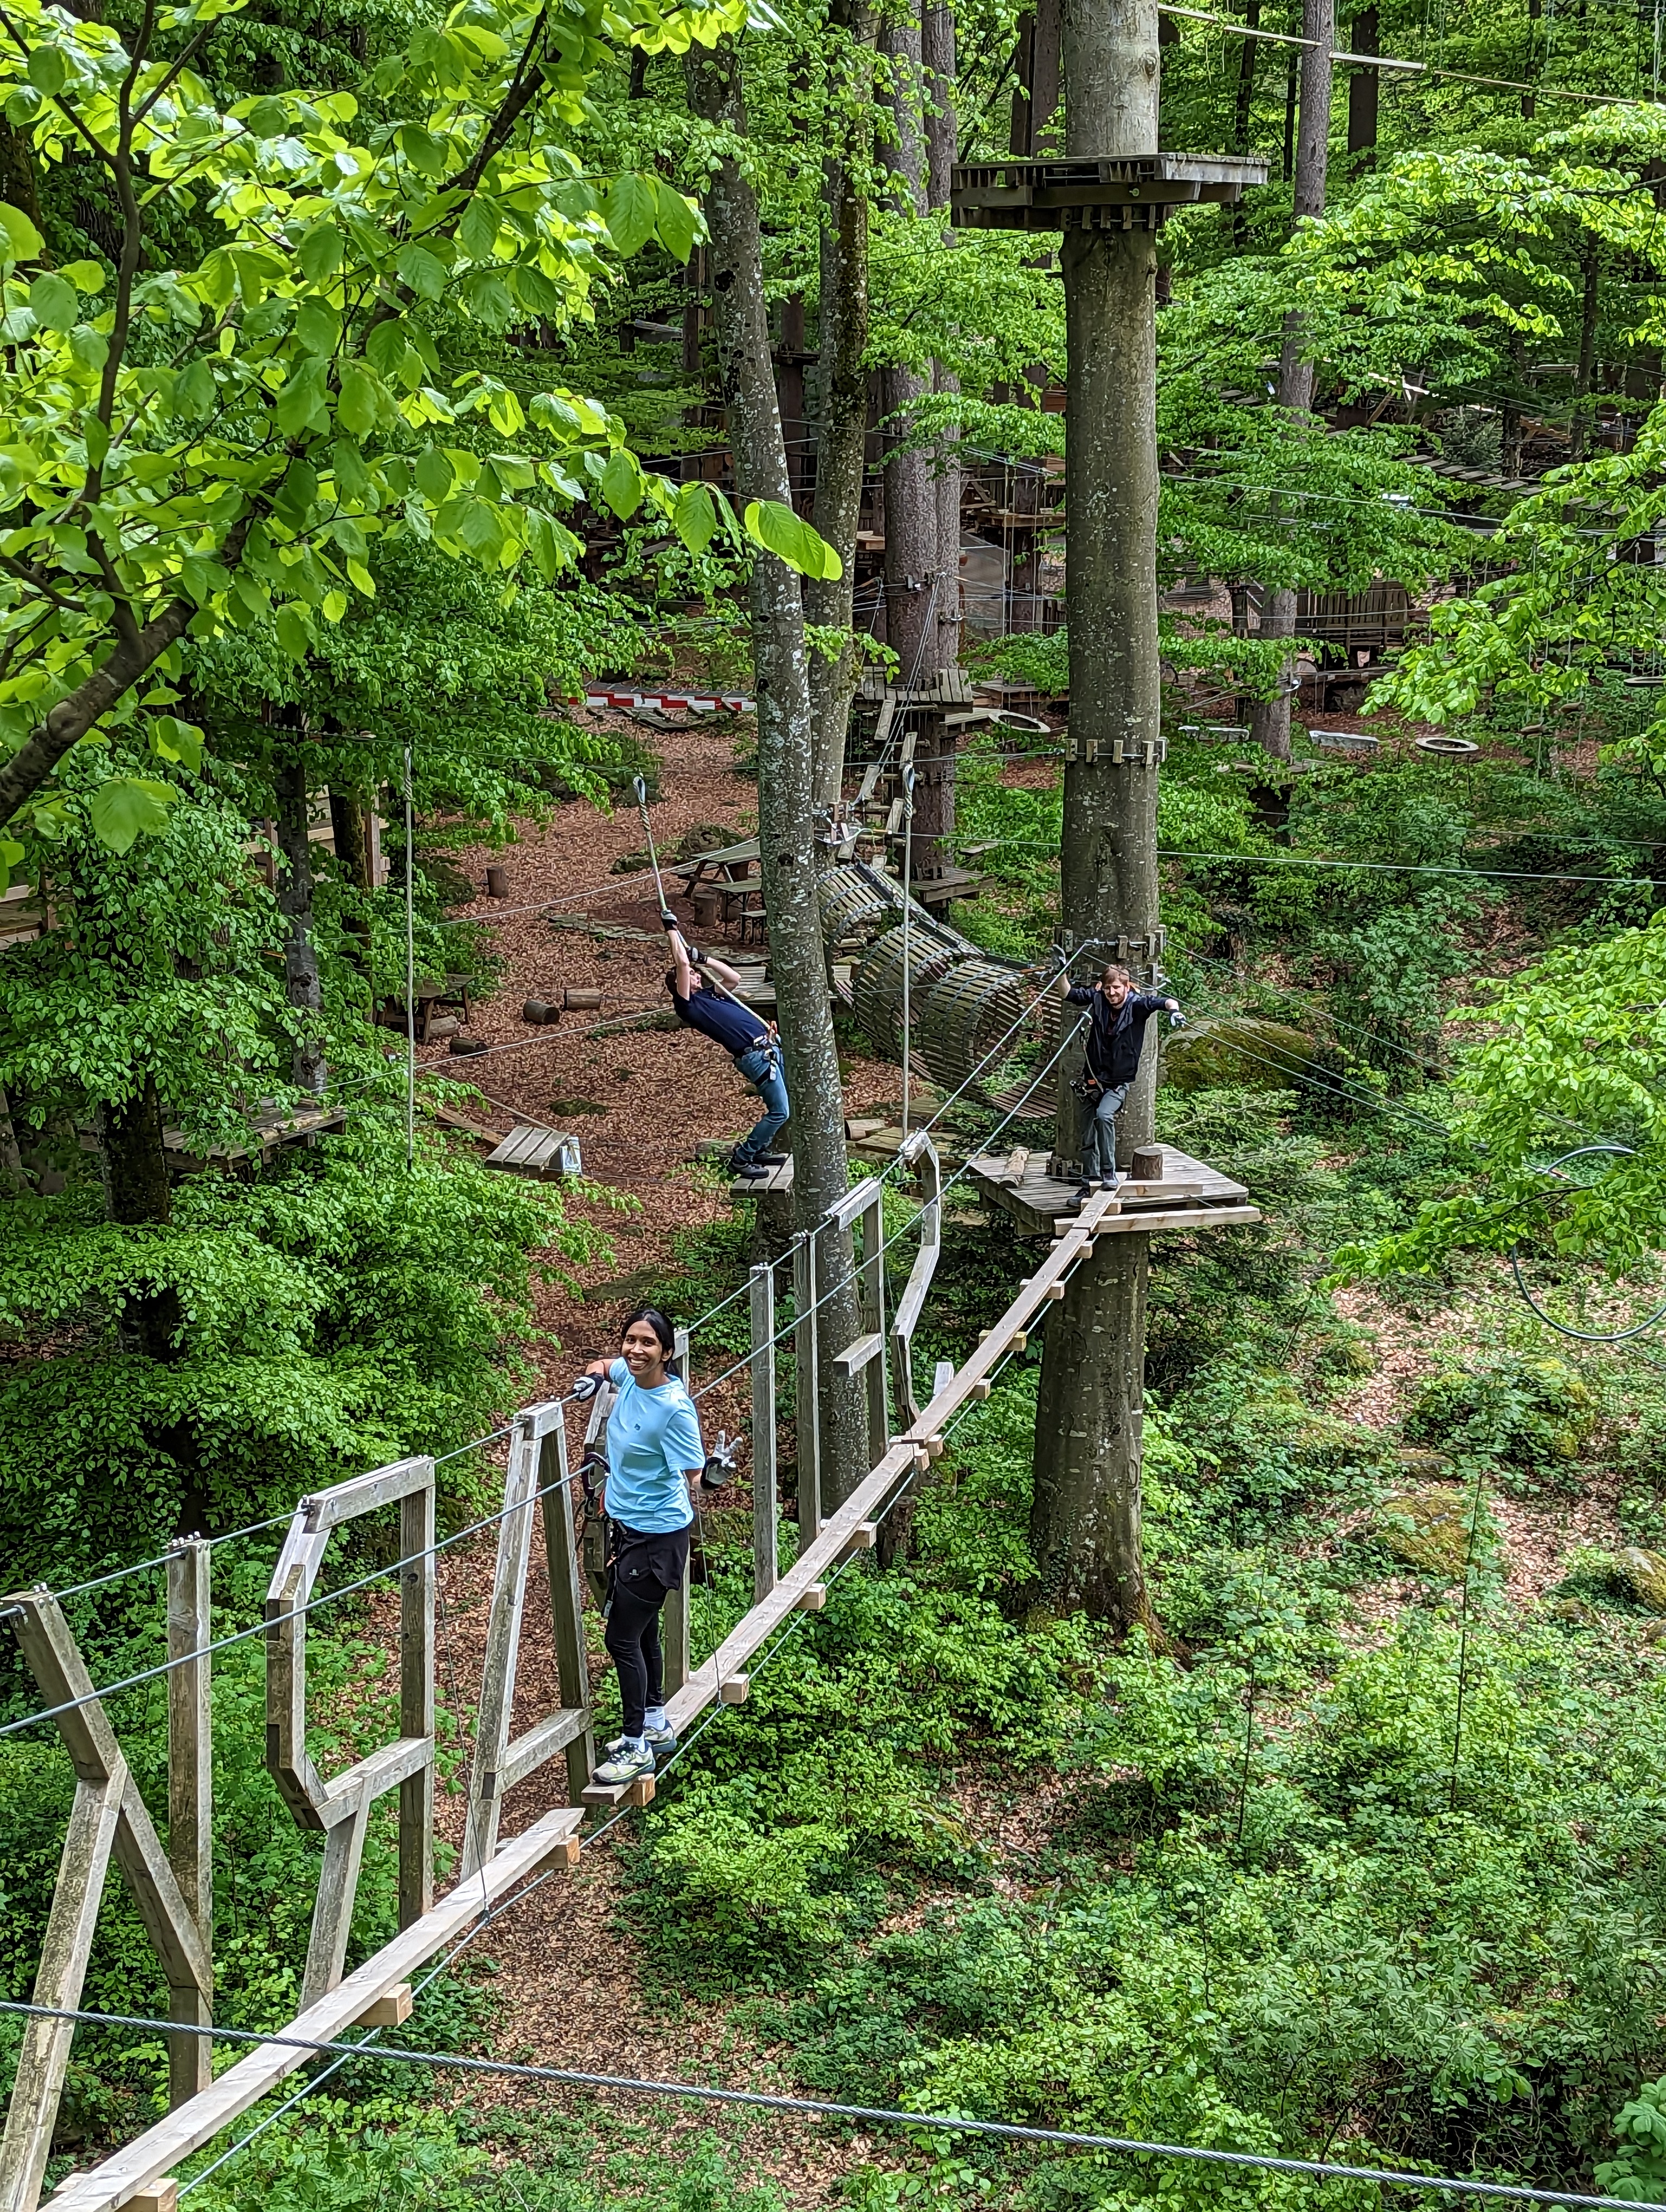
(1583, 419)
(913, 561)
(294, 900)
(841, 449)
(785, 803)
(1362, 95)
(942, 136)
(1085, 1526)
(1243, 107)
(137, 1193)
(1269, 720)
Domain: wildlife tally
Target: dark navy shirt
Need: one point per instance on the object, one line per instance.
(737, 1028)
(1115, 1033)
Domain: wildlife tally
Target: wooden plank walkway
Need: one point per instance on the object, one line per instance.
(1190, 1194)
(142, 2171)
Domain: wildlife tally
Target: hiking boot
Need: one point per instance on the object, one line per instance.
(748, 1170)
(773, 1159)
(624, 1763)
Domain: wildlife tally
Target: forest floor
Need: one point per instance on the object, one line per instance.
(574, 1985)
(573, 1981)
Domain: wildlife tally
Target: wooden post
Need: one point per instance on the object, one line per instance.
(417, 1531)
(561, 1555)
(108, 1815)
(674, 1636)
(807, 1423)
(764, 1561)
(342, 1807)
(189, 1798)
(871, 1291)
(495, 1711)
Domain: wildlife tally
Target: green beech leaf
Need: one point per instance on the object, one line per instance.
(631, 210)
(318, 327)
(694, 517)
(434, 474)
(774, 525)
(677, 222)
(319, 252)
(621, 483)
(18, 235)
(360, 403)
(49, 72)
(10, 854)
(53, 302)
(385, 347)
(421, 270)
(294, 630)
(171, 739)
(129, 807)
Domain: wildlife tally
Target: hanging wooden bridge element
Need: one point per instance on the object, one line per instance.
(173, 1889)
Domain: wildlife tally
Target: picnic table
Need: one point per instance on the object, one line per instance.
(733, 862)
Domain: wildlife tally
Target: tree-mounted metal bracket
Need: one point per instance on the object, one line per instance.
(1121, 752)
(538, 1475)
(341, 1807)
(108, 1817)
(1132, 193)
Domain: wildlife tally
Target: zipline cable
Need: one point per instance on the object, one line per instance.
(951, 2123)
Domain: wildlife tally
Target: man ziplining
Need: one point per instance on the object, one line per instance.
(705, 1001)
(1115, 1035)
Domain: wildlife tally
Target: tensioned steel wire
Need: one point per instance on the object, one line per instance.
(473, 1527)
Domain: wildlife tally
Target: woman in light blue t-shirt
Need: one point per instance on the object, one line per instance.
(653, 1452)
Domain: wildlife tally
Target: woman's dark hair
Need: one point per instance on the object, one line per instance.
(660, 1325)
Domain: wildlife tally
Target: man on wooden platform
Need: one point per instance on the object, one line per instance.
(1115, 1034)
(750, 1041)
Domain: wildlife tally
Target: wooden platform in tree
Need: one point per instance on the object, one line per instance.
(269, 1129)
(1191, 1194)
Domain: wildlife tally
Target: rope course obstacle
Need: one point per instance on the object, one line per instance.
(172, 1886)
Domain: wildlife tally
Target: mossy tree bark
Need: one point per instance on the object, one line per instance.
(1085, 1524)
(1269, 720)
(786, 798)
(843, 389)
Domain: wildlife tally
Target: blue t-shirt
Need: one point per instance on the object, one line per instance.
(737, 1028)
(653, 1440)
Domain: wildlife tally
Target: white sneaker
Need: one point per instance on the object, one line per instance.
(625, 1762)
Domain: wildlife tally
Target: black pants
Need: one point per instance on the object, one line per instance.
(646, 1570)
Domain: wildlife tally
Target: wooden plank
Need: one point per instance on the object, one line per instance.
(1190, 1217)
(561, 1558)
(871, 1300)
(190, 1797)
(332, 1909)
(417, 1533)
(556, 1732)
(674, 1635)
(362, 1493)
(494, 1711)
(807, 1413)
(44, 2056)
(855, 1357)
(870, 1499)
(119, 2179)
(762, 1284)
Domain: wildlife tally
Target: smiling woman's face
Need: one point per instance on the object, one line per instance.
(642, 1353)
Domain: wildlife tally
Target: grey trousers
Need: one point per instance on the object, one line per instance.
(1099, 1134)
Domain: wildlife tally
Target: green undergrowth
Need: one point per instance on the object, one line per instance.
(1321, 1872)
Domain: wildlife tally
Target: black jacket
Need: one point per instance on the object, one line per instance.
(1115, 1033)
